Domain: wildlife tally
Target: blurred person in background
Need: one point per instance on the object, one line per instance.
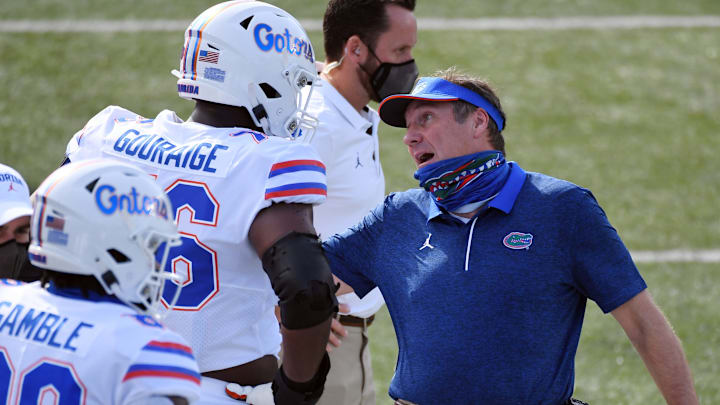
(15, 210)
(368, 48)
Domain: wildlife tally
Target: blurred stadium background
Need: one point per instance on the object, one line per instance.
(633, 114)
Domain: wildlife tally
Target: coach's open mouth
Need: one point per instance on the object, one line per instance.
(423, 157)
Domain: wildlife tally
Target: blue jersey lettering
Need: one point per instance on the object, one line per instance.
(156, 149)
(11, 318)
(29, 323)
(75, 333)
(42, 327)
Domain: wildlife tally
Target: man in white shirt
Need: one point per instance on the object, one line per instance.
(368, 46)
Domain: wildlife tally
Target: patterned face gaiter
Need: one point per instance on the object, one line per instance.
(462, 180)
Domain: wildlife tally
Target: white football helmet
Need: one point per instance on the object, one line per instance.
(254, 55)
(109, 220)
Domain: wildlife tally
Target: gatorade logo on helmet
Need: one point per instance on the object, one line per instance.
(285, 42)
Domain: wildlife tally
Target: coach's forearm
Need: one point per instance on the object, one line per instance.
(659, 347)
(664, 358)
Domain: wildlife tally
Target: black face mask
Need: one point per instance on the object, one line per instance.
(13, 256)
(15, 264)
(392, 78)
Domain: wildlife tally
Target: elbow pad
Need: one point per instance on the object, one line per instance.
(300, 276)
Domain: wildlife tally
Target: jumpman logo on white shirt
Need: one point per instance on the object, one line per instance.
(358, 164)
(427, 243)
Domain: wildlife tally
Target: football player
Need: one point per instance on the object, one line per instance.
(87, 332)
(243, 191)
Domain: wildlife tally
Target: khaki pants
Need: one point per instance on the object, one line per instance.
(350, 381)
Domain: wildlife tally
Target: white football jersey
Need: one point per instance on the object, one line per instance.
(218, 179)
(59, 348)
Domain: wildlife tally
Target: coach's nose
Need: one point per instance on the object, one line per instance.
(412, 136)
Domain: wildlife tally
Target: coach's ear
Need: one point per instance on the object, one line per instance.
(355, 49)
(480, 122)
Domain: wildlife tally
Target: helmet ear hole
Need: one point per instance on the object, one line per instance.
(91, 186)
(118, 256)
(246, 22)
(269, 91)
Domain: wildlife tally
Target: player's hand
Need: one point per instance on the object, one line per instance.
(337, 330)
(259, 395)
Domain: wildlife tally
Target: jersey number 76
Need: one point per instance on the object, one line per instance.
(193, 260)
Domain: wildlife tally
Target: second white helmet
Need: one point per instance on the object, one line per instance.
(109, 220)
(254, 55)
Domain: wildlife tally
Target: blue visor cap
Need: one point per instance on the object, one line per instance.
(392, 108)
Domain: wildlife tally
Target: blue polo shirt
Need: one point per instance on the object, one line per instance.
(504, 331)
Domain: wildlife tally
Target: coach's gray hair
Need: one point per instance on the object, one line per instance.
(462, 109)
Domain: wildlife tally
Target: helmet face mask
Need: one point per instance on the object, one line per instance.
(108, 220)
(148, 293)
(261, 59)
(300, 123)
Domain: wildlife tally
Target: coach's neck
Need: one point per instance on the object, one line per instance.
(347, 82)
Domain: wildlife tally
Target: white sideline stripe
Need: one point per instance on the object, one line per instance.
(567, 23)
(425, 24)
(670, 256)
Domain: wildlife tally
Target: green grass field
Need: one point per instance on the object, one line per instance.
(631, 114)
(171, 9)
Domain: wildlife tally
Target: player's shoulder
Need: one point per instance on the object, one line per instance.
(278, 149)
(146, 323)
(160, 353)
(162, 339)
(138, 332)
(16, 288)
(113, 113)
(104, 121)
(9, 282)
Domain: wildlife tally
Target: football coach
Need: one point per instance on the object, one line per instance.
(486, 269)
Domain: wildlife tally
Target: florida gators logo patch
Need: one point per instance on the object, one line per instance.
(518, 240)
